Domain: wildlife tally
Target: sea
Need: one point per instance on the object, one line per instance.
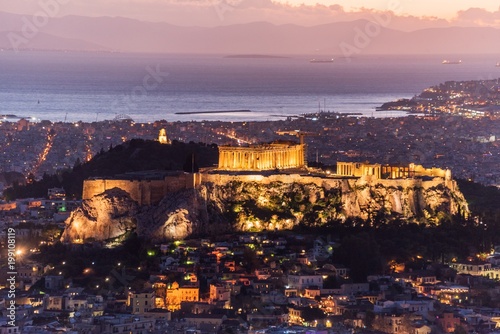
(89, 87)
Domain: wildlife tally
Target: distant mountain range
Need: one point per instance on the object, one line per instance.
(337, 39)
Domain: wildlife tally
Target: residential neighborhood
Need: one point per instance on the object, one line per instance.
(269, 282)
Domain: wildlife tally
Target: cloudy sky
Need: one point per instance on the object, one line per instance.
(411, 14)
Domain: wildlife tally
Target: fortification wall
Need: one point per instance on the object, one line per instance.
(144, 192)
(404, 183)
(222, 179)
(327, 183)
(150, 192)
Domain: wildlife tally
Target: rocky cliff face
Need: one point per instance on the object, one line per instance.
(253, 206)
(105, 216)
(413, 199)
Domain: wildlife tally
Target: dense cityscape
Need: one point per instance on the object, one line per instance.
(466, 143)
(249, 167)
(346, 277)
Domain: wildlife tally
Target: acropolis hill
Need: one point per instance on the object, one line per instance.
(259, 187)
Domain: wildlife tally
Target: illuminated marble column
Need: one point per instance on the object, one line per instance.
(249, 160)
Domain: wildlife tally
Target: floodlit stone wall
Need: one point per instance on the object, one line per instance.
(144, 192)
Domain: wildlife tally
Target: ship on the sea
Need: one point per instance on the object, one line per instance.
(314, 60)
(451, 62)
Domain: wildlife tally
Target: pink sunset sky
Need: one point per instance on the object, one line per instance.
(410, 14)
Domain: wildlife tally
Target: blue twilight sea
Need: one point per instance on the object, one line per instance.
(72, 86)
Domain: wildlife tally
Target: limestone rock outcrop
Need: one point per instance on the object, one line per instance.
(249, 205)
(177, 216)
(408, 198)
(104, 216)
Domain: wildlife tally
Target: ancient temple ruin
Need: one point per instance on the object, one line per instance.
(277, 155)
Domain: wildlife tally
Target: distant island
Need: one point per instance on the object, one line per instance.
(210, 112)
(255, 56)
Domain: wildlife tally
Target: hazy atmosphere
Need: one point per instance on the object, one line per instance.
(416, 14)
(250, 166)
(248, 26)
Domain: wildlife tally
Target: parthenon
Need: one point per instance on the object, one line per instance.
(277, 155)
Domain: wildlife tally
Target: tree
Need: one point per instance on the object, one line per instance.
(361, 254)
(250, 260)
(77, 164)
(191, 166)
(380, 324)
(460, 330)
(311, 314)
